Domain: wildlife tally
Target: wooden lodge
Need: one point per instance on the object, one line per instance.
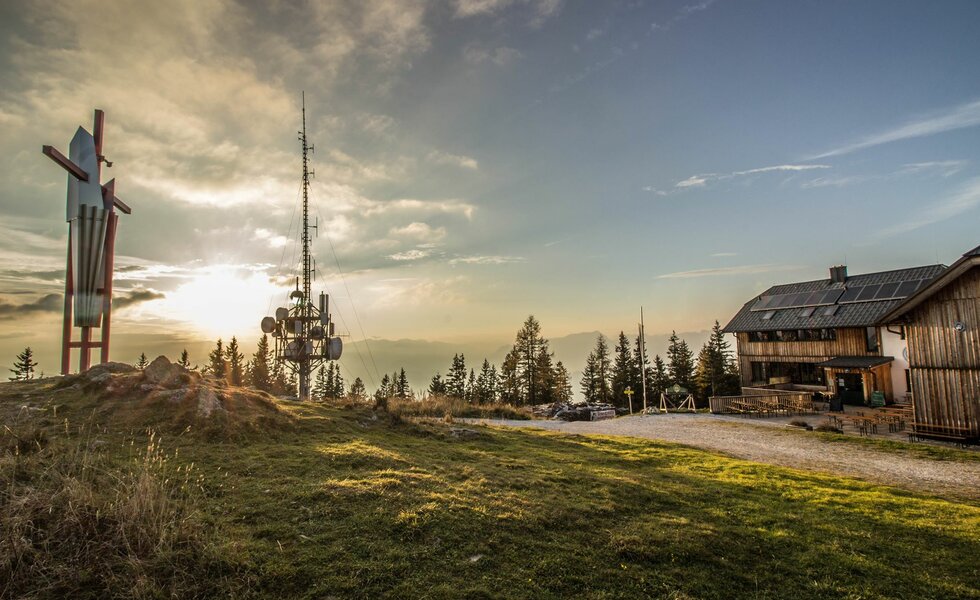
(941, 322)
(826, 335)
(910, 336)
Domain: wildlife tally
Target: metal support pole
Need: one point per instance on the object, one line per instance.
(66, 327)
(110, 249)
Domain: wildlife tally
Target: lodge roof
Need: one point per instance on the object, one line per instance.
(966, 262)
(858, 301)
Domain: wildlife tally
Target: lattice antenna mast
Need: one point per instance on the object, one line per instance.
(304, 334)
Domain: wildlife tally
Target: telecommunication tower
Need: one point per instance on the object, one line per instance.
(304, 332)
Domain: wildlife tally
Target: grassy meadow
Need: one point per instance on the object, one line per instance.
(349, 503)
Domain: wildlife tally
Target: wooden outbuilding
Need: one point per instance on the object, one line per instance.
(941, 322)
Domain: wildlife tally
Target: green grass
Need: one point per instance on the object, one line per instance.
(353, 505)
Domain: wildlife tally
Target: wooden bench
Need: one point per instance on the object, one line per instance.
(962, 436)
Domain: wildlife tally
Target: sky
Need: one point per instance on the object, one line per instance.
(477, 161)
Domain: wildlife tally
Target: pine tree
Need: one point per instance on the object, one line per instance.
(562, 384)
(259, 376)
(509, 385)
(544, 375)
(234, 358)
(402, 389)
(320, 389)
(527, 349)
(623, 372)
(338, 382)
(471, 388)
(680, 362)
(437, 387)
(660, 379)
(456, 378)
(384, 390)
(280, 382)
(357, 390)
(603, 370)
(217, 365)
(589, 383)
(24, 366)
(185, 359)
(142, 363)
(486, 384)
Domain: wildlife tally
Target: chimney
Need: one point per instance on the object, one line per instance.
(838, 274)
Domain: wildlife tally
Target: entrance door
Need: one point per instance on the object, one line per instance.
(850, 386)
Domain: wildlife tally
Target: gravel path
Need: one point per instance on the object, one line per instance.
(771, 443)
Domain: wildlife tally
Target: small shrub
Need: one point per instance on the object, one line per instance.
(828, 428)
(799, 423)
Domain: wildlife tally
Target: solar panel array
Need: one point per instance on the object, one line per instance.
(883, 291)
(849, 295)
(800, 300)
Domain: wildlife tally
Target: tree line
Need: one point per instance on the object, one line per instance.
(528, 375)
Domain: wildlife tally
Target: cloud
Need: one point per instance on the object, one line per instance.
(49, 303)
(501, 56)
(702, 179)
(541, 10)
(965, 200)
(682, 13)
(723, 254)
(726, 271)
(135, 296)
(419, 231)
(943, 168)
(408, 255)
(273, 239)
(486, 260)
(455, 160)
(958, 117)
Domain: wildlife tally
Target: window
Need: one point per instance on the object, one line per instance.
(908, 380)
(871, 337)
(793, 335)
(798, 373)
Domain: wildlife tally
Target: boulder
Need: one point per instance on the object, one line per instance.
(208, 402)
(163, 373)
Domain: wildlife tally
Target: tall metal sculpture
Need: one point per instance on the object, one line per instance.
(92, 220)
(304, 333)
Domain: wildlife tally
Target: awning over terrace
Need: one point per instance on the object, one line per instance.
(855, 362)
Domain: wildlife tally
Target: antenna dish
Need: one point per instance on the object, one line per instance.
(281, 314)
(316, 333)
(268, 325)
(335, 347)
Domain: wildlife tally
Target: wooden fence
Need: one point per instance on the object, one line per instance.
(776, 403)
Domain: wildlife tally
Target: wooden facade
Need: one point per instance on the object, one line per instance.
(944, 359)
(850, 341)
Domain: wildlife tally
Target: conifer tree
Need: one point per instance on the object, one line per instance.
(185, 360)
(217, 364)
(471, 388)
(357, 391)
(384, 390)
(437, 387)
(486, 384)
(623, 372)
(142, 363)
(234, 358)
(259, 375)
(527, 353)
(320, 389)
(544, 374)
(680, 362)
(509, 386)
(456, 378)
(660, 379)
(589, 383)
(402, 389)
(338, 382)
(24, 366)
(562, 384)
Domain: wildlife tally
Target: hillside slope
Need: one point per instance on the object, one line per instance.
(319, 501)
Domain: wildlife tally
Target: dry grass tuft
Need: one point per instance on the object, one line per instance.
(447, 408)
(78, 523)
